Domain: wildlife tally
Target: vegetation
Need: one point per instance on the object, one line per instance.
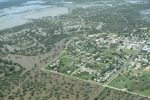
(105, 42)
(133, 80)
(30, 41)
(108, 94)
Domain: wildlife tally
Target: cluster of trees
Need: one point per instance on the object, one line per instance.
(35, 84)
(9, 74)
(32, 42)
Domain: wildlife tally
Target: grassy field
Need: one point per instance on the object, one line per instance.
(83, 75)
(109, 94)
(136, 81)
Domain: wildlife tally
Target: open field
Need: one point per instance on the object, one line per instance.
(133, 80)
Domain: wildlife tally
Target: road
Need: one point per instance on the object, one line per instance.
(106, 85)
(92, 82)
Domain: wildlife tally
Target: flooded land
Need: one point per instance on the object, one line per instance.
(74, 49)
(18, 15)
(30, 9)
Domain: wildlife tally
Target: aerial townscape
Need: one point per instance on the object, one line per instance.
(75, 50)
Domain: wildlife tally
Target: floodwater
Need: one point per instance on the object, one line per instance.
(18, 15)
(51, 11)
(139, 1)
(145, 14)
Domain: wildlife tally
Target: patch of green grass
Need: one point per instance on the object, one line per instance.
(108, 53)
(130, 51)
(139, 84)
(83, 75)
(121, 81)
(37, 98)
(67, 69)
(66, 60)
